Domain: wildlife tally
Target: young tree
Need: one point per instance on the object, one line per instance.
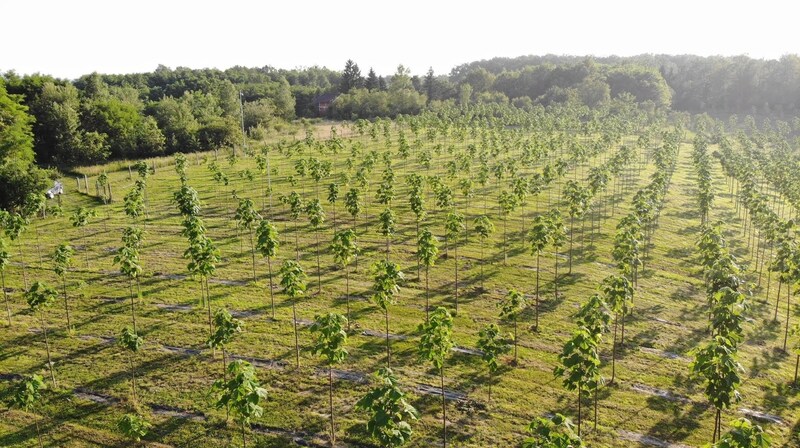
(595, 316)
(387, 227)
(144, 172)
(14, 225)
(40, 297)
(133, 202)
(80, 219)
(134, 427)
(204, 256)
(716, 363)
(387, 284)
(578, 202)
(558, 236)
(352, 202)
(4, 261)
(539, 237)
(246, 216)
(580, 364)
(242, 393)
(345, 248)
(555, 432)
(427, 251)
(62, 260)
(484, 228)
(619, 297)
(25, 396)
(128, 260)
(225, 327)
(316, 217)
(333, 196)
(511, 307)
(293, 280)
(434, 346)
(295, 204)
(492, 347)
(354, 206)
(267, 242)
(331, 339)
(743, 434)
(453, 226)
(417, 203)
(132, 342)
(389, 411)
(508, 203)
(262, 162)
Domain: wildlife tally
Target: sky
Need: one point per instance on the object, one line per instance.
(69, 38)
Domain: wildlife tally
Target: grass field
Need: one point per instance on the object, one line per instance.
(653, 402)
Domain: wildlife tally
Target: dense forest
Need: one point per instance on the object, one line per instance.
(64, 123)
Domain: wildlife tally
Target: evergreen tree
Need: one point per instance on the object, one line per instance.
(351, 77)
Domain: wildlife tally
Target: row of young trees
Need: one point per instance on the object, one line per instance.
(716, 361)
(580, 358)
(764, 228)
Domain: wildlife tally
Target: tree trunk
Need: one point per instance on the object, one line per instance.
(5, 294)
(482, 249)
(133, 306)
(614, 350)
(39, 434)
(388, 352)
(418, 267)
(515, 340)
(796, 366)
(778, 299)
(271, 294)
(296, 338)
(455, 255)
(536, 308)
(244, 436)
(47, 347)
(330, 403)
(133, 377)
(579, 410)
(22, 263)
(427, 291)
(66, 302)
(571, 236)
(595, 406)
(788, 317)
(208, 308)
(505, 254)
(444, 409)
(319, 272)
(86, 248)
(253, 253)
(555, 277)
(296, 244)
(355, 231)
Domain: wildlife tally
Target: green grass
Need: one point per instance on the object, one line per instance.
(669, 317)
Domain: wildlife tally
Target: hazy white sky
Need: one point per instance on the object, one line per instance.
(70, 38)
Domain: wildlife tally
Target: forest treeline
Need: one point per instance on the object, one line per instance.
(61, 123)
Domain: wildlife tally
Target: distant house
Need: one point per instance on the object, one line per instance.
(323, 102)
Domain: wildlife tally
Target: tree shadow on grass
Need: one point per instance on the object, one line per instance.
(683, 419)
